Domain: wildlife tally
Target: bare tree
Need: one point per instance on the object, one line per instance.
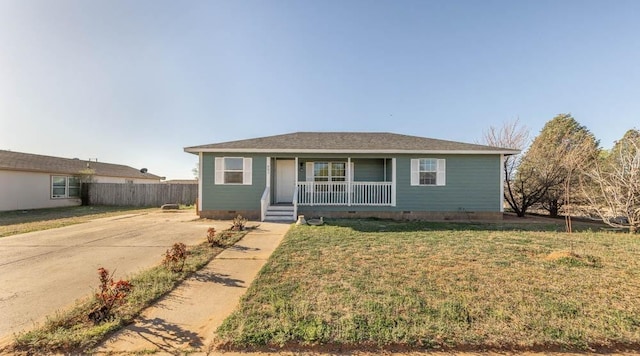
(515, 136)
(510, 135)
(575, 157)
(196, 171)
(531, 181)
(614, 191)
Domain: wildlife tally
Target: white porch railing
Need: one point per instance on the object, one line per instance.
(264, 202)
(371, 193)
(345, 193)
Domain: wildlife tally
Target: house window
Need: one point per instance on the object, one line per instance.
(428, 171)
(329, 171)
(233, 170)
(65, 187)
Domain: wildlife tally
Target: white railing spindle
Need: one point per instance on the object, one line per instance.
(342, 193)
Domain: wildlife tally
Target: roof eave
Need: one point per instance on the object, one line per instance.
(75, 173)
(196, 150)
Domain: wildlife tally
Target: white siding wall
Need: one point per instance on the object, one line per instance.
(27, 190)
(31, 190)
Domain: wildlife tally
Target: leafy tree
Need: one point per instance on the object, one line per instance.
(555, 157)
(614, 192)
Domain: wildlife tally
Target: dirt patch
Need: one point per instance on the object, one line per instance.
(556, 255)
(573, 259)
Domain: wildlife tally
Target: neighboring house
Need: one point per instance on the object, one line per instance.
(29, 181)
(350, 174)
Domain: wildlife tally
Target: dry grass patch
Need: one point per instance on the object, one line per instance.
(359, 283)
(23, 221)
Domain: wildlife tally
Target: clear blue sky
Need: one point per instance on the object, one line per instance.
(134, 82)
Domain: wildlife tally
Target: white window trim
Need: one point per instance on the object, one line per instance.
(66, 188)
(219, 170)
(441, 172)
(348, 174)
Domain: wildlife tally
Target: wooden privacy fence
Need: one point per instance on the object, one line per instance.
(140, 194)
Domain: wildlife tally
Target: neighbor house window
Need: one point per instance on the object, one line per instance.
(233, 170)
(428, 171)
(65, 187)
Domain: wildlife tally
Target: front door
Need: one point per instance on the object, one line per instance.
(285, 180)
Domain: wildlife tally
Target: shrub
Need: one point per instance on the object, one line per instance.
(224, 238)
(111, 294)
(175, 256)
(239, 223)
(211, 236)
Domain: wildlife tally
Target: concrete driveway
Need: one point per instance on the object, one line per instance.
(45, 271)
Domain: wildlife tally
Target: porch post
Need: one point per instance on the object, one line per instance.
(348, 172)
(296, 178)
(393, 183)
(268, 175)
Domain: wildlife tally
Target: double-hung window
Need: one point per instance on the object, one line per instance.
(65, 187)
(428, 171)
(329, 171)
(330, 177)
(233, 170)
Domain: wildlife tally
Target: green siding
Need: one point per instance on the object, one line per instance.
(369, 170)
(232, 197)
(472, 183)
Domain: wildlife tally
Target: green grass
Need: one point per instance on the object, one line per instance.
(72, 331)
(366, 283)
(23, 221)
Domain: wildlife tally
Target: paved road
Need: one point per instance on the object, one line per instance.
(45, 271)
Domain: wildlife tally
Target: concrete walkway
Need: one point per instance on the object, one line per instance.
(186, 319)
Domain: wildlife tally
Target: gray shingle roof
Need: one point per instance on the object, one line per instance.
(347, 142)
(17, 161)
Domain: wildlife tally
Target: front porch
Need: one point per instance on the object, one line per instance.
(326, 182)
(345, 193)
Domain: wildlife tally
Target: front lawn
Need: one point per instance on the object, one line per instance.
(365, 283)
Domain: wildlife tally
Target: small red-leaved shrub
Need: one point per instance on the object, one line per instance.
(111, 294)
(175, 256)
(211, 235)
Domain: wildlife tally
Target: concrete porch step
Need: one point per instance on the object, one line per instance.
(279, 213)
